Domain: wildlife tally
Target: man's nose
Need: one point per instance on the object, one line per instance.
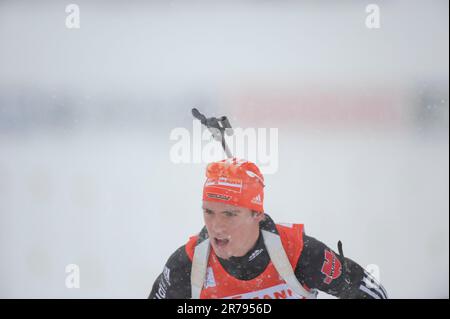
(219, 227)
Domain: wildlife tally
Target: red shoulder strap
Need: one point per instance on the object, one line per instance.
(292, 240)
(190, 246)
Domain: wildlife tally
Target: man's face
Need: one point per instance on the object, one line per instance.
(232, 230)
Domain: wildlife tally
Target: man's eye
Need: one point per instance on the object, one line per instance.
(229, 214)
(208, 212)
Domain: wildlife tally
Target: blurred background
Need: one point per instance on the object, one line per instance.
(86, 114)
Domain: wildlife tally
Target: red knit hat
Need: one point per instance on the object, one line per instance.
(235, 182)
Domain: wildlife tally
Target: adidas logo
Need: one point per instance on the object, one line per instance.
(255, 254)
(257, 199)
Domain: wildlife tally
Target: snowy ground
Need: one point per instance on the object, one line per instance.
(115, 205)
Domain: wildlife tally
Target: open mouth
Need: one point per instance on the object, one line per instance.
(221, 242)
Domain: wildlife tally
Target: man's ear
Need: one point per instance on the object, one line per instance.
(257, 215)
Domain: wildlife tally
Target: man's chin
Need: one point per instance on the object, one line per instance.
(221, 253)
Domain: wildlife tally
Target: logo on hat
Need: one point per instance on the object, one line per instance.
(230, 184)
(257, 199)
(218, 196)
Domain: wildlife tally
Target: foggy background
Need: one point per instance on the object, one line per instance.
(86, 114)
